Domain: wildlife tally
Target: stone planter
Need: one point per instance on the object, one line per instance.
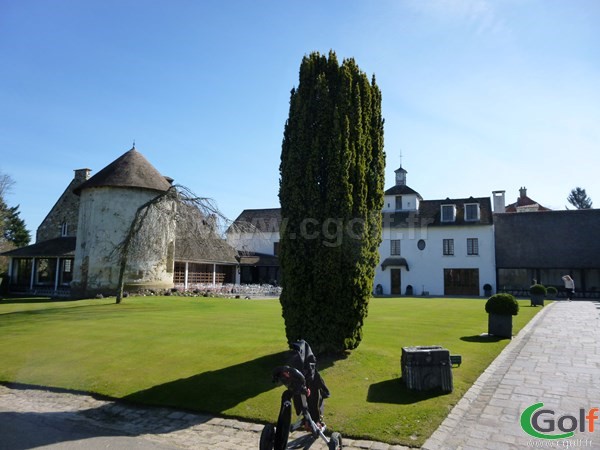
(500, 325)
(537, 299)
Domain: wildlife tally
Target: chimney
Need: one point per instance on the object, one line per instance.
(499, 202)
(82, 175)
(523, 192)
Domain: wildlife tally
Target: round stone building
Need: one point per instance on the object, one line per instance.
(108, 204)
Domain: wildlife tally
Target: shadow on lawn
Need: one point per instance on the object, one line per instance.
(394, 391)
(115, 422)
(482, 338)
(219, 390)
(29, 300)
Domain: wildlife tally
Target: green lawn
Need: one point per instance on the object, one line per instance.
(216, 355)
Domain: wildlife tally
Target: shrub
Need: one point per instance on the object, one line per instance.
(537, 289)
(504, 304)
(551, 290)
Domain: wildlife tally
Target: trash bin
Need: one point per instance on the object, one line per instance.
(426, 367)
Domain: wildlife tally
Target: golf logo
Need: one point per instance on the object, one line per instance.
(544, 424)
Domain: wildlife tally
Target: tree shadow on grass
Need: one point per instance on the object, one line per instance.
(214, 391)
(29, 300)
(394, 391)
(219, 390)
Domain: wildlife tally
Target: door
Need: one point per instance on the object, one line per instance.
(461, 281)
(396, 281)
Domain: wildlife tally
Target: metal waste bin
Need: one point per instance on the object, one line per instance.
(426, 367)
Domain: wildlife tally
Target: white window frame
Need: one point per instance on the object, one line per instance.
(448, 247)
(443, 216)
(478, 212)
(473, 246)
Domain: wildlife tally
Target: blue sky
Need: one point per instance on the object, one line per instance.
(478, 95)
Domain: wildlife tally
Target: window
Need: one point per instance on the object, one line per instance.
(472, 246)
(398, 202)
(472, 212)
(276, 248)
(448, 213)
(395, 247)
(421, 244)
(448, 247)
(64, 229)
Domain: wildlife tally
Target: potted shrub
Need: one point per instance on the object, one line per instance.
(537, 293)
(500, 309)
(487, 290)
(551, 292)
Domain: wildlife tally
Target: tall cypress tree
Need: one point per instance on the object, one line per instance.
(331, 195)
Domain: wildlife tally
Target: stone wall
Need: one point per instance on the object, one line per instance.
(62, 219)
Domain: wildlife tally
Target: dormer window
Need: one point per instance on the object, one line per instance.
(448, 213)
(472, 212)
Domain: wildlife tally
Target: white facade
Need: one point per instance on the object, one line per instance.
(434, 247)
(421, 261)
(254, 241)
(429, 247)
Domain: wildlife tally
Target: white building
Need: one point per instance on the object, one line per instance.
(434, 247)
(255, 235)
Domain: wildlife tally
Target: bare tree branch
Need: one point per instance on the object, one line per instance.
(199, 224)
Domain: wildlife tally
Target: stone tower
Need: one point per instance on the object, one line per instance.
(108, 203)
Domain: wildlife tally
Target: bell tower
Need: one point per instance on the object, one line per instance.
(400, 176)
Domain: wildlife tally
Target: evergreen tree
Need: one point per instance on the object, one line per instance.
(331, 195)
(12, 227)
(579, 199)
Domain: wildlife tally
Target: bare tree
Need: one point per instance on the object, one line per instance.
(197, 220)
(6, 184)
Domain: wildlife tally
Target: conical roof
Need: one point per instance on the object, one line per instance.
(132, 170)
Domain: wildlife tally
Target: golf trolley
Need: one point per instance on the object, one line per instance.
(305, 393)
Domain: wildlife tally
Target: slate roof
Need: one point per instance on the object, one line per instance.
(548, 239)
(263, 220)
(132, 170)
(429, 214)
(63, 247)
(394, 261)
(402, 189)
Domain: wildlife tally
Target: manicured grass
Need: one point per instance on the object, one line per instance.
(216, 355)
